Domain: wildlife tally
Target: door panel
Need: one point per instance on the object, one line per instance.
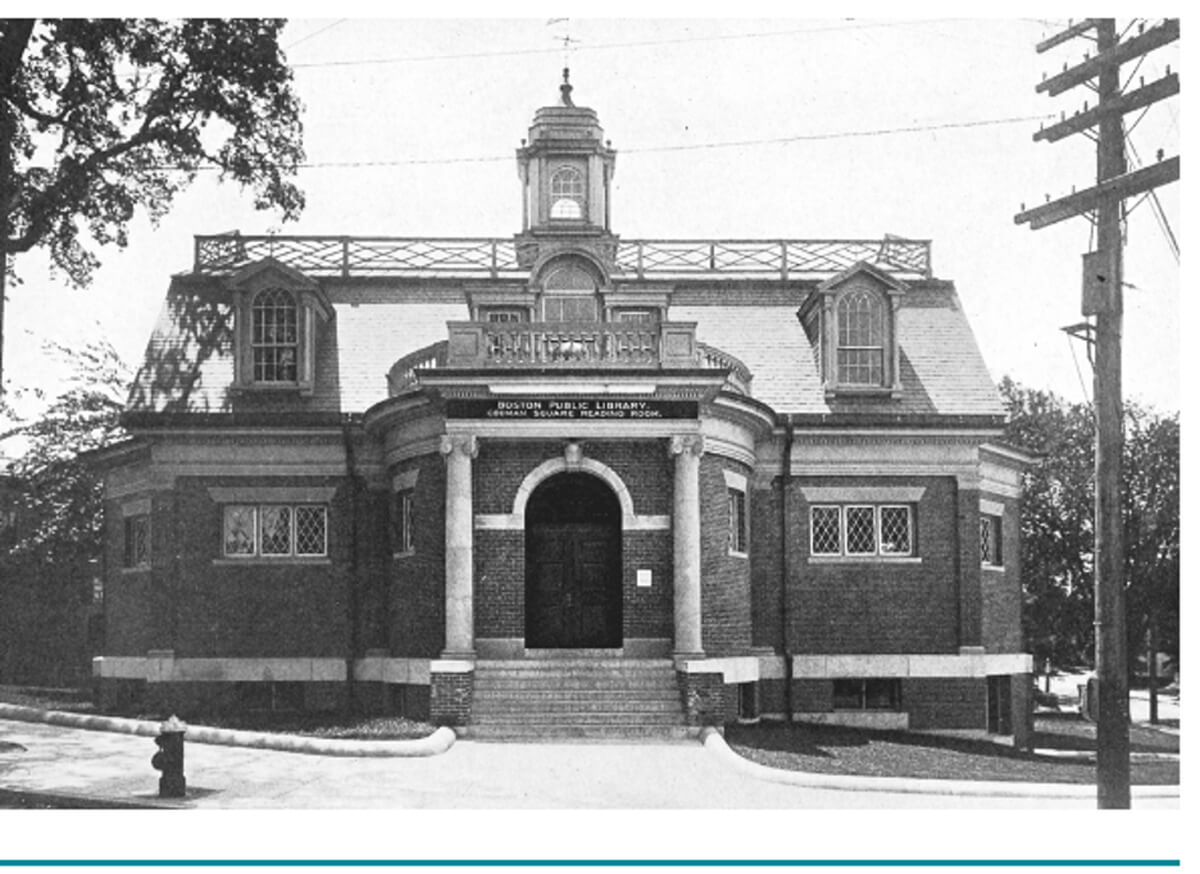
(573, 592)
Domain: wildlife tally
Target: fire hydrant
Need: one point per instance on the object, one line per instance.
(169, 759)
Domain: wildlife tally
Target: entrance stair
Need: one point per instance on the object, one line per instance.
(576, 698)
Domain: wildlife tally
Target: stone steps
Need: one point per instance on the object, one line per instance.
(576, 698)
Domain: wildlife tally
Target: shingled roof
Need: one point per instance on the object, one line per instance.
(189, 366)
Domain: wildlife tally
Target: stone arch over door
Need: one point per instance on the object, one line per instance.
(573, 566)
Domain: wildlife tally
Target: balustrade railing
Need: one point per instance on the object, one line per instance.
(662, 345)
(497, 257)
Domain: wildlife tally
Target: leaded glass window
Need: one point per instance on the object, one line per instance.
(310, 530)
(895, 530)
(826, 531)
(276, 530)
(860, 530)
(241, 530)
(989, 540)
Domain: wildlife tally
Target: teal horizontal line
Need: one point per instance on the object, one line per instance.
(595, 863)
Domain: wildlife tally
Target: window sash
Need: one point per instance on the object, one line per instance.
(991, 547)
(860, 530)
(275, 531)
(275, 337)
(137, 540)
(402, 532)
(737, 521)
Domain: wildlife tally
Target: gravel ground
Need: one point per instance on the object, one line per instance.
(833, 750)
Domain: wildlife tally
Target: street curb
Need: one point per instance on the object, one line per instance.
(438, 742)
(715, 742)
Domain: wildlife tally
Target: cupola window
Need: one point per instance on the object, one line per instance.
(860, 338)
(566, 194)
(275, 336)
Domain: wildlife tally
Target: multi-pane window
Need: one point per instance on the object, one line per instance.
(137, 540)
(402, 522)
(569, 308)
(861, 529)
(275, 336)
(856, 693)
(566, 194)
(639, 316)
(276, 530)
(990, 551)
(738, 539)
(497, 315)
(860, 338)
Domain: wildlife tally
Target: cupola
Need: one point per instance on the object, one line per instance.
(566, 169)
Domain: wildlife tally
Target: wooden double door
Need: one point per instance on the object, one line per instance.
(573, 571)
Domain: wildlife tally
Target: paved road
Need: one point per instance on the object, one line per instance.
(477, 775)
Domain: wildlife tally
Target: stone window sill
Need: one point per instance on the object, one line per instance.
(409, 554)
(864, 559)
(138, 569)
(266, 560)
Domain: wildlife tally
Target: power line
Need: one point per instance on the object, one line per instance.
(835, 135)
(404, 59)
(307, 37)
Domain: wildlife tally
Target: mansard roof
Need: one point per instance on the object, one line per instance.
(189, 361)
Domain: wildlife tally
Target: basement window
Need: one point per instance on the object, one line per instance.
(866, 694)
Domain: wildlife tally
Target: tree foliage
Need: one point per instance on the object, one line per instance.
(101, 116)
(47, 568)
(61, 497)
(1057, 530)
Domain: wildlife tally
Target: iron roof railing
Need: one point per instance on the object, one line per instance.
(498, 257)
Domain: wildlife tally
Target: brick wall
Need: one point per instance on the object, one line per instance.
(879, 606)
(949, 703)
(416, 602)
(450, 698)
(649, 612)
(766, 566)
(500, 583)
(707, 699)
(257, 608)
(970, 629)
(498, 472)
(1001, 587)
(643, 466)
(724, 578)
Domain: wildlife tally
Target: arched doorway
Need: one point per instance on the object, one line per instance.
(573, 564)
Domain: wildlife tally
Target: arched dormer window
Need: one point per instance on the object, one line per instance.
(566, 194)
(851, 320)
(275, 337)
(860, 338)
(277, 314)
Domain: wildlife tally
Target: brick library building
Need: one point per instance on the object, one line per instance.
(566, 482)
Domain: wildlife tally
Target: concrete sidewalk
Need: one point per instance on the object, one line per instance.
(74, 762)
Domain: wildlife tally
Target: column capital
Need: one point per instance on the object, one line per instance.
(467, 444)
(690, 443)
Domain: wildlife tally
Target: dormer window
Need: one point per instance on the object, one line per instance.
(860, 338)
(275, 336)
(277, 311)
(566, 194)
(851, 322)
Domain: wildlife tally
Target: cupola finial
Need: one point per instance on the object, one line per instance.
(565, 88)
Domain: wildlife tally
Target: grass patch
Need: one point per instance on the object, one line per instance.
(327, 725)
(862, 752)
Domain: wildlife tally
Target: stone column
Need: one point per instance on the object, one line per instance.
(685, 524)
(460, 557)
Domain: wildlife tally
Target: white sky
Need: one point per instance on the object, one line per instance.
(668, 93)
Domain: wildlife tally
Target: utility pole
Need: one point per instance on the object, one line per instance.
(1103, 299)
